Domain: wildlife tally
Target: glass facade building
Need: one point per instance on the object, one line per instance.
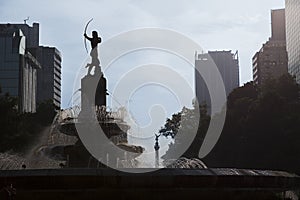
(47, 79)
(292, 9)
(228, 66)
(18, 68)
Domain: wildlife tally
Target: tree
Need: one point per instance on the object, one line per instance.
(20, 130)
(171, 126)
(45, 112)
(183, 126)
(262, 128)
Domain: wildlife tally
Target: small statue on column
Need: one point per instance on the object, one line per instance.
(156, 146)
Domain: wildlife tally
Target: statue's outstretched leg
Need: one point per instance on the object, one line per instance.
(90, 69)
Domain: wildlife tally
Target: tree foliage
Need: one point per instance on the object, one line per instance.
(262, 128)
(19, 130)
(183, 125)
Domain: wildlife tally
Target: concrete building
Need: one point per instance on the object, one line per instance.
(292, 8)
(278, 25)
(271, 60)
(18, 68)
(228, 66)
(49, 77)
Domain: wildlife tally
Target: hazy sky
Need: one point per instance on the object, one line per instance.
(215, 25)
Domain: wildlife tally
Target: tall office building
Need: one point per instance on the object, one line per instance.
(228, 66)
(271, 60)
(49, 76)
(18, 68)
(278, 25)
(292, 8)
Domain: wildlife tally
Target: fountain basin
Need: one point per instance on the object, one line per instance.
(161, 184)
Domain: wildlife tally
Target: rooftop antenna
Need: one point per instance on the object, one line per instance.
(25, 20)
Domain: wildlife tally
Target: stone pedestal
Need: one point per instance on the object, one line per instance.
(93, 91)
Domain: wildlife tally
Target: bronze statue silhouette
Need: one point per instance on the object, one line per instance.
(95, 40)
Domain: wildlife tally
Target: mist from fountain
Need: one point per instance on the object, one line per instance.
(48, 151)
(39, 155)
